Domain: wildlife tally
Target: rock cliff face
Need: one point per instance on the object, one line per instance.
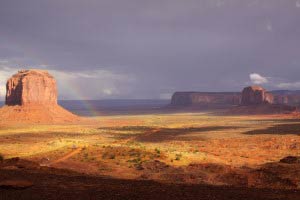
(287, 97)
(204, 98)
(31, 87)
(252, 100)
(291, 98)
(31, 97)
(255, 95)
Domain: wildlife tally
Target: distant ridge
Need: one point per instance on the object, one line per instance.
(188, 98)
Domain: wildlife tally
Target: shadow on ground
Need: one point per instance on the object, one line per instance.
(279, 129)
(278, 180)
(158, 134)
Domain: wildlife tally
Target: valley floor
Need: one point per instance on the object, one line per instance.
(185, 148)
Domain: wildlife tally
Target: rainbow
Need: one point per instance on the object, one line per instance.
(86, 104)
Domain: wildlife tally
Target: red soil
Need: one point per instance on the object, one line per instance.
(36, 114)
(50, 183)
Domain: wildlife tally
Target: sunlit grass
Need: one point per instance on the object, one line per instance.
(175, 139)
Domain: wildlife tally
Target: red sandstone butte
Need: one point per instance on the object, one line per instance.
(31, 87)
(31, 97)
(256, 95)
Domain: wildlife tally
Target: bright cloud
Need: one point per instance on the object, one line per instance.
(258, 79)
(294, 85)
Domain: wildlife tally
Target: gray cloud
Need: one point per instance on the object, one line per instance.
(148, 49)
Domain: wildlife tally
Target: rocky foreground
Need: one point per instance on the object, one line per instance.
(22, 179)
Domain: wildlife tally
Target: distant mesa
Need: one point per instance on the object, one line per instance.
(256, 100)
(252, 100)
(205, 98)
(256, 95)
(31, 96)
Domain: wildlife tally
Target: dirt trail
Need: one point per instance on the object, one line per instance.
(67, 156)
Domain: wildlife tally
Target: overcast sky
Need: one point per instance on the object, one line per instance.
(104, 49)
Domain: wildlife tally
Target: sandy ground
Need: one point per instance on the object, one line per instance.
(185, 148)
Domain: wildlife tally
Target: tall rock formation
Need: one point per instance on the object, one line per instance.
(256, 95)
(257, 101)
(31, 87)
(31, 97)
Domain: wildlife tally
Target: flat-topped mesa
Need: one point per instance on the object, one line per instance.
(205, 98)
(256, 95)
(31, 87)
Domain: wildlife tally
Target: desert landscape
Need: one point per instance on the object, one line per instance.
(192, 149)
(149, 100)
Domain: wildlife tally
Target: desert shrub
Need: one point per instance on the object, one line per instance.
(86, 156)
(137, 163)
(134, 152)
(109, 155)
(178, 156)
(1, 157)
(136, 160)
(157, 150)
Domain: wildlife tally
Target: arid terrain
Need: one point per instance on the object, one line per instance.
(194, 149)
(150, 100)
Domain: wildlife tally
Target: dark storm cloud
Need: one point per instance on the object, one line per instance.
(147, 49)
